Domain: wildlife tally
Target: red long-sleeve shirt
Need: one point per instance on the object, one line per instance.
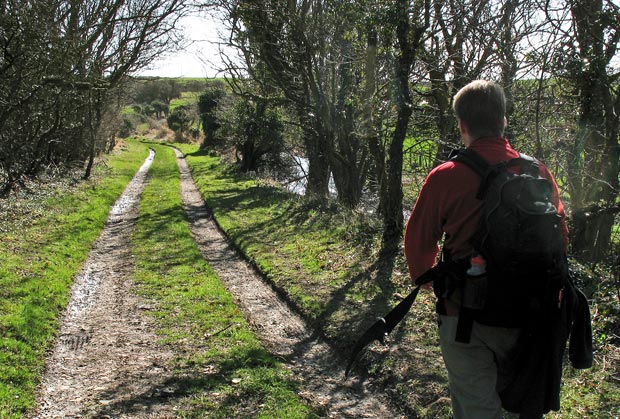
(447, 205)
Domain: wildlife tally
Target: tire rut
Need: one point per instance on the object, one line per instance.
(105, 362)
(316, 366)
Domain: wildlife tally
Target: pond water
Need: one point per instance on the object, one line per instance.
(299, 180)
(297, 185)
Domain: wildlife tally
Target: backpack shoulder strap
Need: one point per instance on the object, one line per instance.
(473, 160)
(529, 165)
(479, 165)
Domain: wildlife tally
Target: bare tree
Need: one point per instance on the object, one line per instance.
(568, 105)
(273, 39)
(113, 38)
(470, 40)
(412, 22)
(587, 64)
(60, 62)
(312, 52)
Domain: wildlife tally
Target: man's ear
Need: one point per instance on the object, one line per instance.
(463, 128)
(464, 131)
(505, 122)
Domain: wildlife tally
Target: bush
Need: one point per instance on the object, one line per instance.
(160, 108)
(208, 107)
(130, 123)
(256, 130)
(180, 119)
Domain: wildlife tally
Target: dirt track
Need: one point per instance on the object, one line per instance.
(106, 363)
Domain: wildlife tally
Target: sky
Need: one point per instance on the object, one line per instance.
(199, 59)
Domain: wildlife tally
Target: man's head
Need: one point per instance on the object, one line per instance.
(481, 107)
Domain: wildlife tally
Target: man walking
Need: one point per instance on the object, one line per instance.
(447, 209)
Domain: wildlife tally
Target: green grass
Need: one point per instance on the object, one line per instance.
(186, 99)
(129, 110)
(593, 393)
(39, 262)
(324, 258)
(324, 261)
(187, 80)
(223, 370)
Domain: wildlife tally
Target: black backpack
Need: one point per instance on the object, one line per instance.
(520, 237)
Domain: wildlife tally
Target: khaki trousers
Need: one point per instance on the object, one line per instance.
(476, 370)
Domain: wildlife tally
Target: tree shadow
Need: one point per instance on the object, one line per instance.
(341, 320)
(238, 386)
(377, 274)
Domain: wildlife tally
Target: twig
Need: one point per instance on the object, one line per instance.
(210, 335)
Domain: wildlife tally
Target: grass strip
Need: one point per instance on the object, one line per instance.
(222, 371)
(324, 260)
(39, 262)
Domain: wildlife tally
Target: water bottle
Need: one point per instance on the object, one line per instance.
(477, 266)
(475, 289)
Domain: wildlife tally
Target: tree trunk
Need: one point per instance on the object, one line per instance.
(446, 120)
(94, 125)
(596, 149)
(408, 44)
(317, 149)
(348, 161)
(376, 149)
